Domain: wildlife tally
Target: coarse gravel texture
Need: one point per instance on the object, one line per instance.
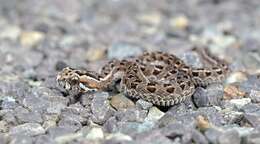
(39, 38)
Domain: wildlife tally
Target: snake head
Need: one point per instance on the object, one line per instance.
(69, 80)
(74, 81)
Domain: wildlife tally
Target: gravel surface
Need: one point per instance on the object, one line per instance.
(39, 38)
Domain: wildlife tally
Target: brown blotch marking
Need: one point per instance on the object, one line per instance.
(177, 62)
(168, 61)
(185, 76)
(153, 56)
(156, 72)
(130, 76)
(208, 73)
(151, 84)
(195, 73)
(121, 63)
(219, 72)
(189, 83)
(148, 59)
(142, 68)
(173, 71)
(112, 65)
(133, 85)
(167, 75)
(159, 66)
(135, 70)
(151, 89)
(182, 86)
(138, 81)
(170, 90)
(166, 85)
(161, 57)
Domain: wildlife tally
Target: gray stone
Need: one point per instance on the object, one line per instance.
(154, 114)
(44, 139)
(143, 104)
(212, 135)
(24, 116)
(58, 131)
(253, 138)
(122, 50)
(100, 108)
(252, 118)
(131, 115)
(252, 83)
(229, 137)
(239, 103)
(21, 139)
(7, 102)
(192, 59)
(69, 123)
(188, 117)
(95, 133)
(110, 125)
(30, 129)
(255, 96)
(4, 138)
(152, 137)
(212, 95)
(120, 102)
(186, 133)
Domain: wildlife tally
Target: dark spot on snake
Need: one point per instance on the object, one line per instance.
(178, 63)
(133, 85)
(173, 71)
(161, 57)
(138, 81)
(142, 68)
(219, 72)
(130, 76)
(208, 73)
(195, 73)
(151, 84)
(166, 85)
(156, 72)
(170, 90)
(159, 66)
(182, 86)
(151, 89)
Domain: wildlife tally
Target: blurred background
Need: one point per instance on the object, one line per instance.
(40, 37)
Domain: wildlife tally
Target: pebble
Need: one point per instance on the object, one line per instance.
(31, 38)
(229, 137)
(121, 50)
(179, 22)
(21, 139)
(100, 108)
(143, 104)
(11, 32)
(154, 114)
(7, 102)
(233, 92)
(152, 137)
(254, 95)
(29, 129)
(118, 137)
(95, 54)
(236, 77)
(95, 133)
(239, 103)
(212, 95)
(212, 135)
(120, 102)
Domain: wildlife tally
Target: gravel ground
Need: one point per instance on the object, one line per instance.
(39, 38)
